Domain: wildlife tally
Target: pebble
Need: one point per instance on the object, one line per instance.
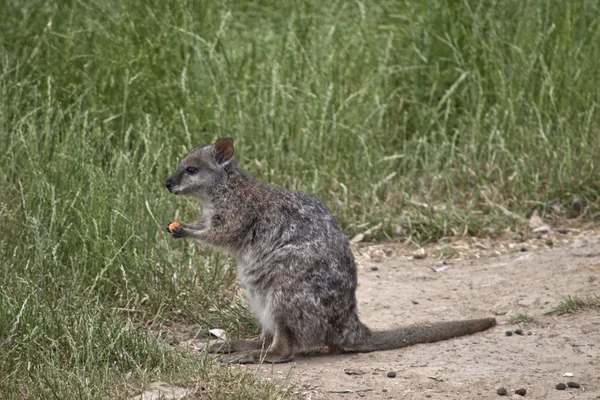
(502, 392)
(374, 268)
(573, 385)
(508, 333)
(527, 301)
(414, 302)
(518, 331)
(523, 249)
(561, 386)
(521, 392)
(420, 254)
(398, 230)
(576, 205)
(391, 374)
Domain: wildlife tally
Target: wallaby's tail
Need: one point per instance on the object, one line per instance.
(422, 333)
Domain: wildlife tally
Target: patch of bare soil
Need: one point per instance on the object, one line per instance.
(460, 279)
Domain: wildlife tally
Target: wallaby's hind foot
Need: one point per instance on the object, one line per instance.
(256, 357)
(280, 351)
(235, 345)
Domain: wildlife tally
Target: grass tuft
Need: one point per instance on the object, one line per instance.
(571, 304)
(520, 318)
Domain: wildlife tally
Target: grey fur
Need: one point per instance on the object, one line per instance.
(293, 259)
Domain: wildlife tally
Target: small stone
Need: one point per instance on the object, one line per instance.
(549, 243)
(573, 385)
(414, 302)
(523, 249)
(354, 371)
(556, 208)
(527, 301)
(569, 374)
(374, 268)
(388, 252)
(391, 374)
(508, 333)
(535, 220)
(561, 386)
(398, 230)
(420, 254)
(501, 392)
(384, 390)
(357, 238)
(521, 392)
(519, 331)
(576, 205)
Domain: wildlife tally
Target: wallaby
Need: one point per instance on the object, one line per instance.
(294, 261)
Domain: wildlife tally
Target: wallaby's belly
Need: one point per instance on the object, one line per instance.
(259, 301)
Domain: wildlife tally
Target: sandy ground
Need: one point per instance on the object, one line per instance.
(481, 278)
(468, 278)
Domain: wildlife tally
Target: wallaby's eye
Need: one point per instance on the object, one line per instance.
(191, 170)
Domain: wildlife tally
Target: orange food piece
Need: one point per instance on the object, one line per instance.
(173, 225)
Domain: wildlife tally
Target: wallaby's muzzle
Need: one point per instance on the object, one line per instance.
(172, 186)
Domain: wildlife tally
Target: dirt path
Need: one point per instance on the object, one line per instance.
(488, 279)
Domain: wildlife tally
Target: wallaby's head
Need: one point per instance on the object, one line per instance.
(202, 169)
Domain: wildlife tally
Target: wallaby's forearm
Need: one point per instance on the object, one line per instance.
(216, 236)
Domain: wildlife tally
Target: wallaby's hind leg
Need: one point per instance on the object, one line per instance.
(281, 351)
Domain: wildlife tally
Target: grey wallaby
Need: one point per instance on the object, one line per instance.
(294, 261)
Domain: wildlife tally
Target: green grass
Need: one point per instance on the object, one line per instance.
(571, 304)
(520, 318)
(484, 109)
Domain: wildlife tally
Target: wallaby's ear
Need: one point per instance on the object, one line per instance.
(223, 150)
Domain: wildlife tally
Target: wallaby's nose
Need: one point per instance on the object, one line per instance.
(168, 184)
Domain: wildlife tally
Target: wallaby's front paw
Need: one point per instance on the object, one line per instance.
(176, 230)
